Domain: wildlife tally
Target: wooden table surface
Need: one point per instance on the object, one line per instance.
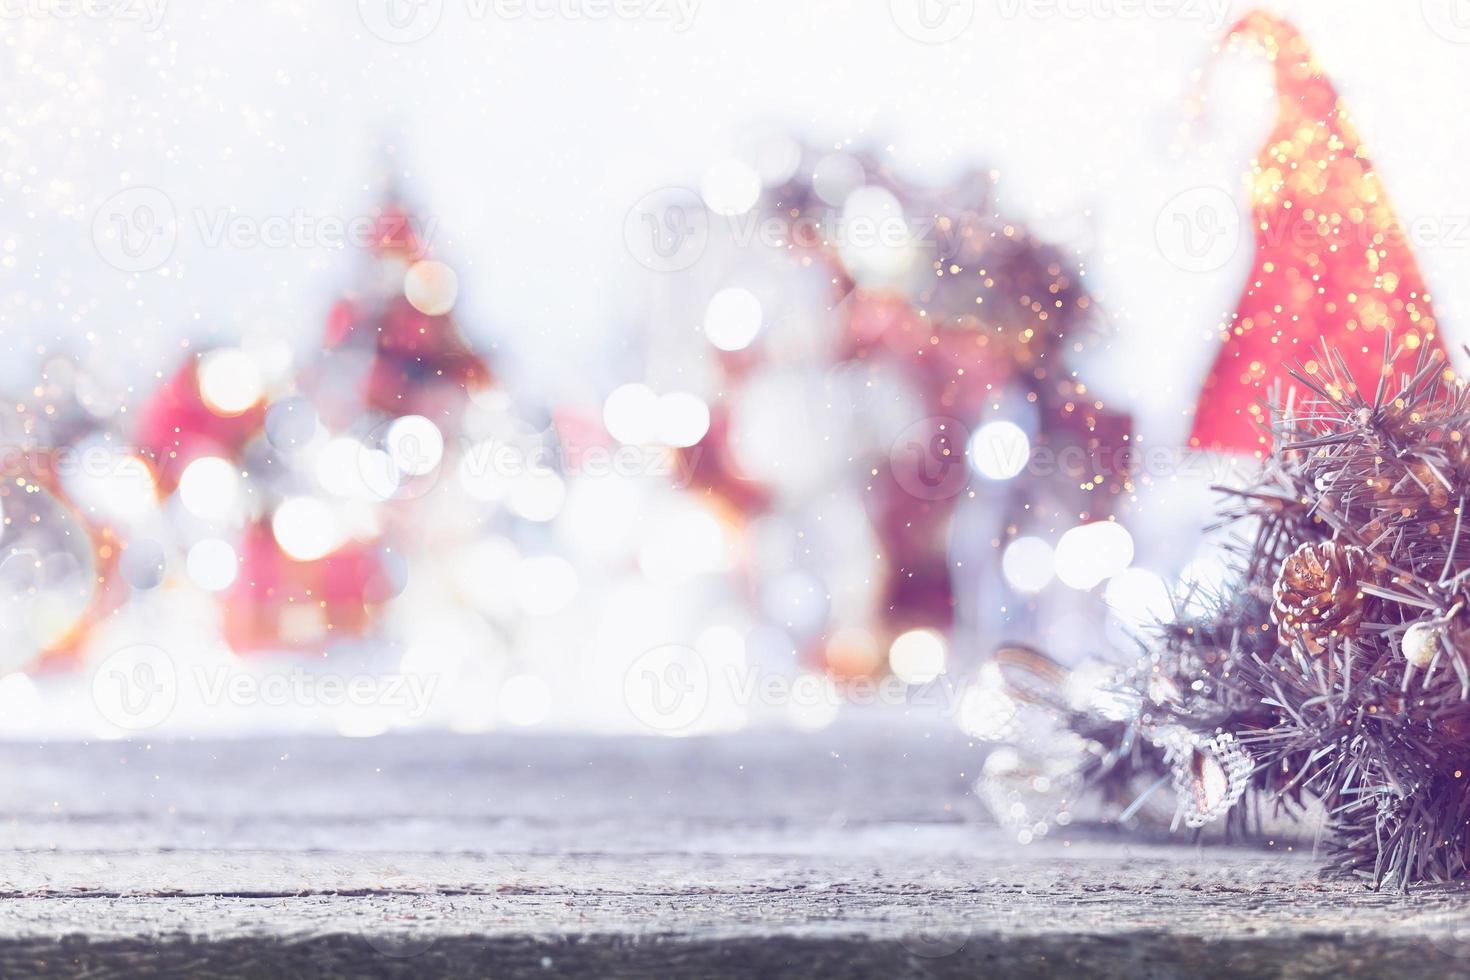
(859, 851)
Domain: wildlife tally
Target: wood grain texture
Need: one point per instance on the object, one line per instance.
(855, 852)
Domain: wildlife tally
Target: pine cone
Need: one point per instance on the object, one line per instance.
(1317, 596)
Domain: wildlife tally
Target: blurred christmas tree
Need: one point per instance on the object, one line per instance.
(1332, 264)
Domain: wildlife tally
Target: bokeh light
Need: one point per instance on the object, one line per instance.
(209, 488)
(229, 381)
(415, 445)
(999, 450)
(1139, 597)
(631, 414)
(730, 187)
(1027, 564)
(115, 486)
(431, 287)
(688, 541)
(874, 238)
(917, 656)
(306, 528)
(212, 565)
(733, 319)
(348, 469)
(683, 419)
(836, 176)
(537, 495)
(1089, 553)
(986, 712)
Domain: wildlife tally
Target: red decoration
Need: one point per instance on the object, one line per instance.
(39, 470)
(1331, 265)
(990, 332)
(712, 471)
(278, 604)
(176, 427)
(400, 361)
(380, 355)
(962, 356)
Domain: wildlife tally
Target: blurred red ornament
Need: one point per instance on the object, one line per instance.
(711, 470)
(409, 358)
(34, 475)
(176, 425)
(1332, 263)
(398, 349)
(280, 604)
(393, 348)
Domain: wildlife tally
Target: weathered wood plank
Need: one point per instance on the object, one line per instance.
(854, 852)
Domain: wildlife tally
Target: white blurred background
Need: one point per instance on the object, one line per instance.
(525, 133)
(528, 140)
